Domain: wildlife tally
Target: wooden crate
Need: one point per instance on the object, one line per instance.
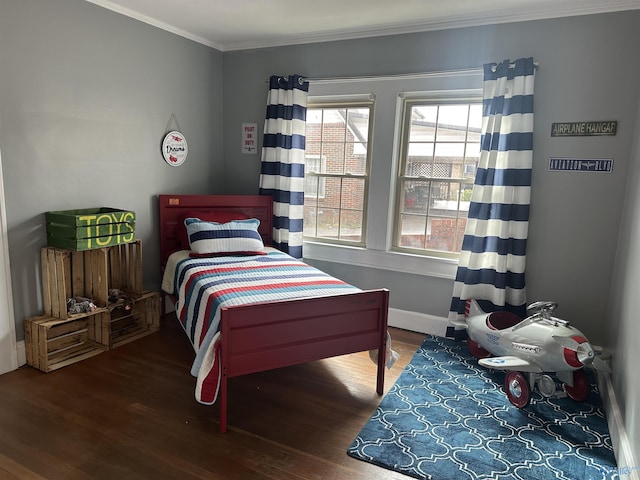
(125, 268)
(90, 228)
(141, 320)
(90, 274)
(67, 274)
(52, 343)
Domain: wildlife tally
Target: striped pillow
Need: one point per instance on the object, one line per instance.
(234, 237)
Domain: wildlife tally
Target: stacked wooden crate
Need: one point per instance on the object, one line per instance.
(90, 228)
(56, 338)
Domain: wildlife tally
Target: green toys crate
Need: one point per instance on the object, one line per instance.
(90, 228)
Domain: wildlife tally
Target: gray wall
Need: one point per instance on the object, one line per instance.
(624, 331)
(85, 99)
(574, 217)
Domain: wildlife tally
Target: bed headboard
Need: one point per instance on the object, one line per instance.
(174, 207)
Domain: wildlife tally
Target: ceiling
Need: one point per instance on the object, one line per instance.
(244, 24)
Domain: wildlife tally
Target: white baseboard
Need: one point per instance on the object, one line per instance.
(628, 462)
(21, 353)
(417, 322)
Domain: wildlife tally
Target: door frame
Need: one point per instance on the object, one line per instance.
(8, 343)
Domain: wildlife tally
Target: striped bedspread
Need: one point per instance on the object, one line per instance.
(204, 285)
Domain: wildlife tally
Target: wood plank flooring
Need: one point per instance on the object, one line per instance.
(130, 413)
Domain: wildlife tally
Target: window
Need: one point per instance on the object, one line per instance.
(439, 152)
(336, 172)
(391, 236)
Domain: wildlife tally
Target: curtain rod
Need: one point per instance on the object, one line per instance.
(401, 76)
(396, 76)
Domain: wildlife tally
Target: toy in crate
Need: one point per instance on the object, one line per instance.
(90, 228)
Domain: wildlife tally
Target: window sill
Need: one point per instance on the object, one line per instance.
(394, 261)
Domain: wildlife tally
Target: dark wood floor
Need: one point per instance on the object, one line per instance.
(130, 413)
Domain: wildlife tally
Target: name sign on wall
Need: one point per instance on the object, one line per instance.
(250, 138)
(583, 129)
(600, 165)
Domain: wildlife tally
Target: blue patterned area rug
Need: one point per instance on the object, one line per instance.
(448, 418)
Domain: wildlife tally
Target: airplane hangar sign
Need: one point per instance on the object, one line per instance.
(583, 129)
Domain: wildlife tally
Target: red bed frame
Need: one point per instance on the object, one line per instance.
(265, 336)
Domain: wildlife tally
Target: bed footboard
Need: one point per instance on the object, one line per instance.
(264, 336)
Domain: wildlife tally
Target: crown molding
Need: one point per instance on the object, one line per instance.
(441, 23)
(114, 7)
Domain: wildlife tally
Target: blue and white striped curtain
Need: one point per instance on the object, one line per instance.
(492, 261)
(282, 170)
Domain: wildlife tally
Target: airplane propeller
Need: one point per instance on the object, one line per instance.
(584, 352)
(601, 365)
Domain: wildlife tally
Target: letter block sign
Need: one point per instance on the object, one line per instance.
(90, 228)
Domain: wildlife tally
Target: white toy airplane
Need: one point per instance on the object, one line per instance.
(531, 350)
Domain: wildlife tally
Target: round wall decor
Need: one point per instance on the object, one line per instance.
(174, 148)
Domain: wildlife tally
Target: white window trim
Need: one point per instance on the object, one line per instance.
(383, 260)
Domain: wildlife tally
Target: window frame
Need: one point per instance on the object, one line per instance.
(346, 103)
(404, 121)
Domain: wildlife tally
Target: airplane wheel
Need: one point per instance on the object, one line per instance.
(476, 350)
(517, 389)
(580, 389)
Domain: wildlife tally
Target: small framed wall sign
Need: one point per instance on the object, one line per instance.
(174, 148)
(250, 138)
(584, 129)
(599, 165)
